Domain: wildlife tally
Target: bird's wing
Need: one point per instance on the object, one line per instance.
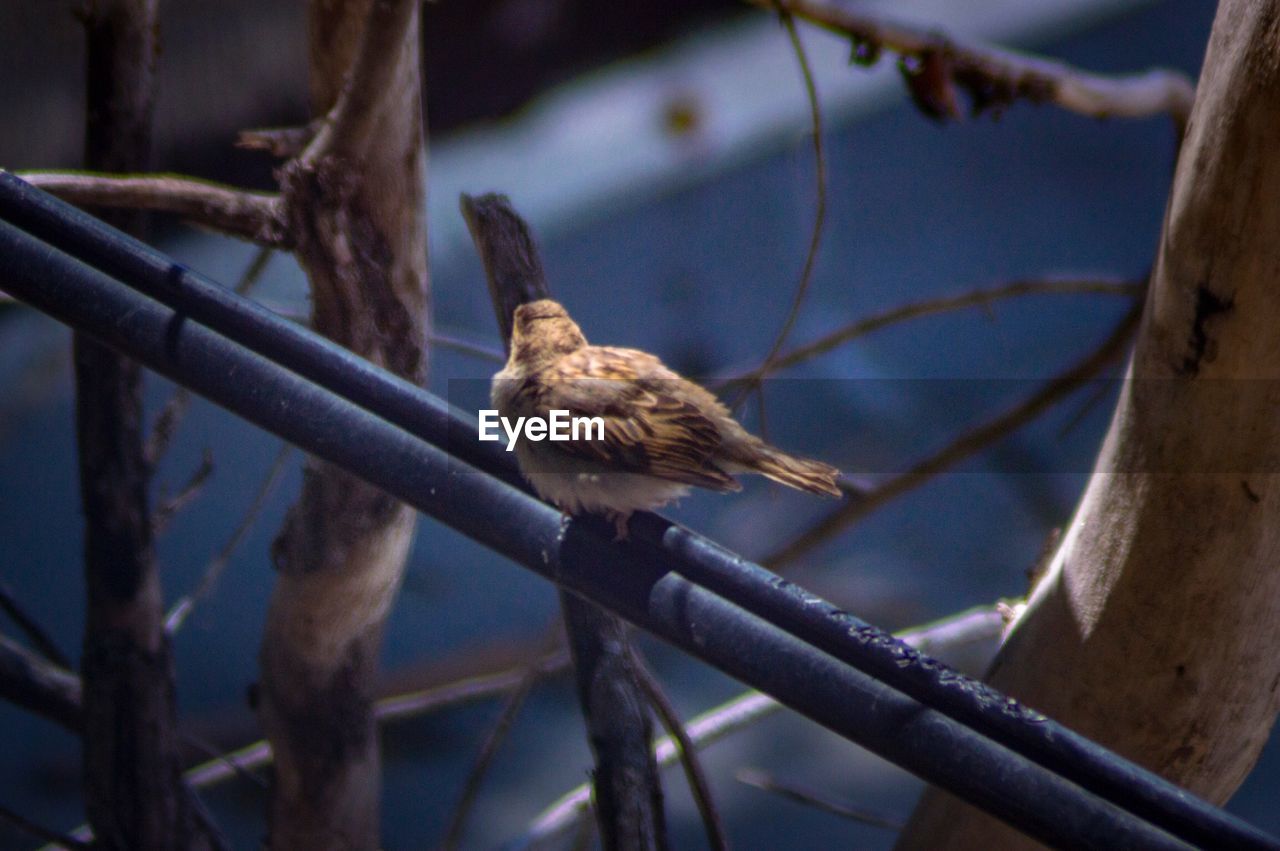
(652, 422)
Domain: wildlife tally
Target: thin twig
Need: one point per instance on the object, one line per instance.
(929, 307)
(488, 750)
(458, 344)
(993, 77)
(813, 798)
(195, 483)
(255, 216)
(282, 142)
(820, 204)
(31, 681)
(388, 710)
(972, 441)
(31, 628)
(973, 625)
(166, 424)
(221, 756)
(27, 826)
(182, 608)
(693, 772)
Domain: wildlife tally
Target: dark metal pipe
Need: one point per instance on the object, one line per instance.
(750, 586)
(637, 586)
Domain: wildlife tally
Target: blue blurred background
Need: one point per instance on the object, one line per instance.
(690, 247)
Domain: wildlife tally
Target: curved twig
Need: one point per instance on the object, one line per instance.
(488, 750)
(712, 823)
(973, 625)
(820, 204)
(994, 77)
(966, 444)
(930, 307)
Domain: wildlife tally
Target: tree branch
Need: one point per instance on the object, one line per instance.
(938, 639)
(30, 627)
(26, 825)
(694, 774)
(349, 127)
(488, 750)
(255, 216)
(168, 509)
(179, 611)
(968, 443)
(813, 798)
(936, 63)
(391, 709)
(930, 307)
(628, 791)
(39, 686)
(820, 186)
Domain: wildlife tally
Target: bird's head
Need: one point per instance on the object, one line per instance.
(542, 331)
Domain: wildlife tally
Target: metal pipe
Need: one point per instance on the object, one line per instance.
(639, 586)
(755, 589)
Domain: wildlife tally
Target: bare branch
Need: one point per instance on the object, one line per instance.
(993, 77)
(195, 483)
(466, 347)
(30, 627)
(350, 125)
(39, 686)
(242, 762)
(488, 750)
(693, 771)
(388, 710)
(915, 310)
(166, 424)
(255, 216)
(813, 798)
(216, 754)
(965, 445)
(619, 729)
(182, 608)
(28, 826)
(282, 142)
(820, 204)
(984, 623)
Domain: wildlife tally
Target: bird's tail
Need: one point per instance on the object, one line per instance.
(799, 473)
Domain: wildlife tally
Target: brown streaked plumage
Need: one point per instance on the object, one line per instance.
(662, 433)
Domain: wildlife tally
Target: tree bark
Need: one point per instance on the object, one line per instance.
(1156, 630)
(627, 789)
(134, 794)
(354, 203)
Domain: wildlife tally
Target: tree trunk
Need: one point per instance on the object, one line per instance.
(1156, 630)
(134, 794)
(356, 211)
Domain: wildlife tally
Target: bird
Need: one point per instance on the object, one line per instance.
(662, 434)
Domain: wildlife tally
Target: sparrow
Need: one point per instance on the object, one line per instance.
(662, 433)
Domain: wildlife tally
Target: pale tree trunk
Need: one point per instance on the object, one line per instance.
(354, 203)
(1156, 630)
